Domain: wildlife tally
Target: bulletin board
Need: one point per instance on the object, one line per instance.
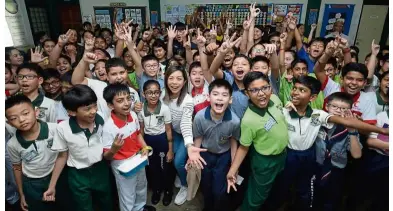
(237, 12)
(281, 10)
(107, 16)
(336, 12)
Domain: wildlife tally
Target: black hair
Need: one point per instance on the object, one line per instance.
(367, 56)
(180, 26)
(66, 77)
(356, 67)
(103, 51)
(355, 48)
(296, 61)
(106, 29)
(8, 66)
(100, 60)
(16, 100)
(159, 44)
(194, 65)
(273, 34)
(250, 51)
(78, 96)
(32, 67)
(50, 73)
(384, 58)
(299, 25)
(327, 40)
(333, 62)
(125, 50)
(183, 92)
(355, 55)
(149, 83)
(65, 57)
(112, 90)
(115, 62)
(310, 82)
(382, 75)
(148, 58)
(47, 40)
(38, 36)
(293, 53)
(253, 76)
(340, 96)
(259, 59)
(195, 55)
(8, 52)
(220, 83)
(242, 56)
(86, 23)
(318, 39)
(87, 31)
(261, 28)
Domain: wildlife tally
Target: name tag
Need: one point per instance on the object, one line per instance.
(30, 155)
(269, 124)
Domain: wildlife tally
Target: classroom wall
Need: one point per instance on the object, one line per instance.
(87, 5)
(185, 2)
(355, 17)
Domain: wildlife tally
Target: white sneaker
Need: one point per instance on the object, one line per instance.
(181, 196)
(177, 182)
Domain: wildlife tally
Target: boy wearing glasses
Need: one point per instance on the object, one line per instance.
(52, 84)
(29, 77)
(156, 128)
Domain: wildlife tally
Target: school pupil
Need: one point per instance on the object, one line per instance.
(262, 136)
(100, 71)
(29, 78)
(156, 128)
(121, 139)
(217, 129)
(11, 87)
(61, 112)
(29, 151)
(52, 84)
(79, 143)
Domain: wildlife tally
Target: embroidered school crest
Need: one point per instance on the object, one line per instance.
(223, 139)
(49, 143)
(315, 120)
(160, 120)
(42, 112)
(291, 128)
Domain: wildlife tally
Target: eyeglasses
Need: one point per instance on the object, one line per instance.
(150, 94)
(264, 89)
(53, 83)
(334, 107)
(28, 77)
(329, 70)
(151, 66)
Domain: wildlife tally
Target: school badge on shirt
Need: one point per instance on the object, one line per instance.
(160, 120)
(42, 112)
(315, 120)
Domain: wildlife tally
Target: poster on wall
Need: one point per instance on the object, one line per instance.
(18, 23)
(312, 16)
(107, 16)
(336, 12)
(281, 10)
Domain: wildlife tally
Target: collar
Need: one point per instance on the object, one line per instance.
(294, 114)
(156, 110)
(44, 134)
(227, 115)
(379, 98)
(38, 100)
(119, 122)
(75, 128)
(355, 97)
(260, 111)
(196, 91)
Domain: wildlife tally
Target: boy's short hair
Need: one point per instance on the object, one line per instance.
(318, 39)
(66, 77)
(112, 90)
(355, 48)
(66, 58)
(159, 44)
(294, 54)
(148, 58)
(106, 29)
(384, 58)
(114, 62)
(340, 96)
(16, 100)
(252, 76)
(310, 82)
(195, 55)
(356, 67)
(381, 76)
(274, 34)
(103, 51)
(32, 67)
(78, 96)
(194, 65)
(100, 60)
(180, 26)
(220, 83)
(88, 31)
(149, 83)
(355, 55)
(333, 62)
(296, 61)
(50, 73)
(259, 59)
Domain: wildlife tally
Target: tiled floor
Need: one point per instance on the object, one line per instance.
(194, 205)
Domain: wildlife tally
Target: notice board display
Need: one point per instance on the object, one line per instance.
(107, 16)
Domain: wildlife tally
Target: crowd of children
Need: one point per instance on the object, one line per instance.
(283, 120)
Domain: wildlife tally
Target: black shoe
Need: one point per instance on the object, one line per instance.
(149, 208)
(156, 197)
(167, 198)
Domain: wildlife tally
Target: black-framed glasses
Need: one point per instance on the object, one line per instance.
(150, 93)
(264, 89)
(334, 107)
(53, 83)
(28, 77)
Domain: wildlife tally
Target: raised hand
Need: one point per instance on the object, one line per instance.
(283, 37)
(254, 11)
(247, 23)
(375, 48)
(89, 44)
(128, 37)
(227, 45)
(118, 142)
(270, 48)
(201, 40)
(292, 21)
(331, 47)
(313, 26)
(213, 32)
(119, 31)
(187, 43)
(36, 55)
(171, 32)
(90, 58)
(212, 47)
(229, 24)
(63, 39)
(342, 42)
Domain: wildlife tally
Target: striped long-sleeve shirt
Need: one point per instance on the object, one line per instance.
(182, 118)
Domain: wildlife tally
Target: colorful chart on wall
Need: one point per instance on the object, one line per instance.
(281, 10)
(107, 16)
(336, 12)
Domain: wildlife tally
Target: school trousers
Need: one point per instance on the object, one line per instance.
(34, 189)
(132, 190)
(299, 170)
(214, 182)
(264, 169)
(91, 184)
(160, 173)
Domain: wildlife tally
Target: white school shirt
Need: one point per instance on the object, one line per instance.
(382, 121)
(155, 122)
(61, 112)
(47, 108)
(36, 157)
(304, 131)
(82, 152)
(98, 87)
